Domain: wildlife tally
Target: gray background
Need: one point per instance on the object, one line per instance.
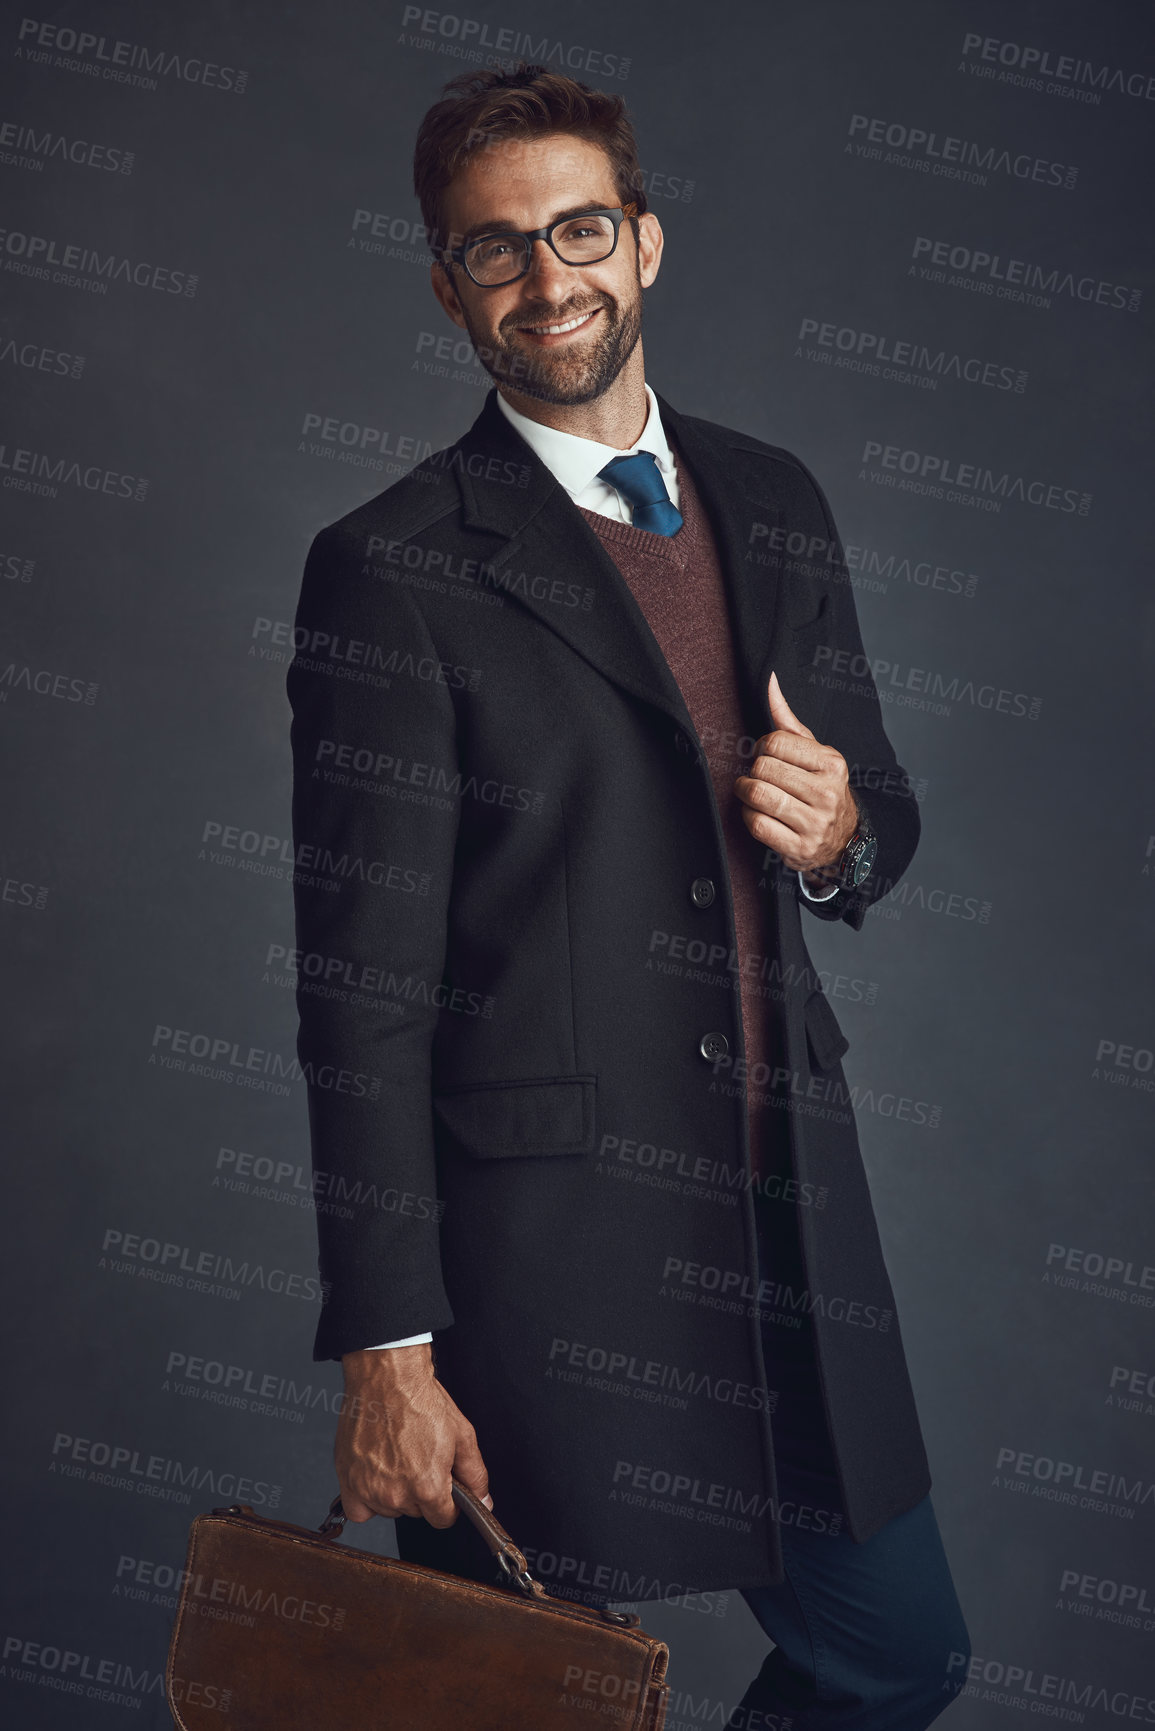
(1004, 1009)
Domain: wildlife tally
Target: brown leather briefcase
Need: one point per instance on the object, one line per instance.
(280, 1628)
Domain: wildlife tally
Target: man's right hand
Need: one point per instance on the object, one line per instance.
(400, 1439)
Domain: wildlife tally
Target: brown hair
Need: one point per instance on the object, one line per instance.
(529, 101)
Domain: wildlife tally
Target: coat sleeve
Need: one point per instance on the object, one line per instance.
(373, 858)
(854, 727)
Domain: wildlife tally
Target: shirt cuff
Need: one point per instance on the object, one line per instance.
(810, 895)
(410, 1340)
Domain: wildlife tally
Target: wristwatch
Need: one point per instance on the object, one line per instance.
(859, 854)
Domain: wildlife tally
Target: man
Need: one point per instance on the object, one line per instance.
(567, 771)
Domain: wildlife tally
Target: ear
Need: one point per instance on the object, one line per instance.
(650, 244)
(444, 288)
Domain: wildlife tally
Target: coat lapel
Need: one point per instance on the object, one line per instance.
(730, 476)
(544, 540)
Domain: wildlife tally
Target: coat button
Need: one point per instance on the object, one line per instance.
(685, 747)
(713, 1046)
(702, 892)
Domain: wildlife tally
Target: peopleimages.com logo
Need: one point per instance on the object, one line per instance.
(477, 39)
(944, 477)
(1034, 68)
(1005, 277)
(942, 155)
(121, 62)
(34, 254)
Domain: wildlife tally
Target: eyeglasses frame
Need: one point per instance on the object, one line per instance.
(616, 213)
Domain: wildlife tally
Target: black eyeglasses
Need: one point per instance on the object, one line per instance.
(492, 260)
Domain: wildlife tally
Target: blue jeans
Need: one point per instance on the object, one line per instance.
(870, 1636)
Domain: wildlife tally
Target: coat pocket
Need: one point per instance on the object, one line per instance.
(816, 626)
(540, 1115)
(824, 1037)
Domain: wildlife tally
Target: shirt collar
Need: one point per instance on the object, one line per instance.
(575, 461)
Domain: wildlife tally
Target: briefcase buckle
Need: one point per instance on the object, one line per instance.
(516, 1577)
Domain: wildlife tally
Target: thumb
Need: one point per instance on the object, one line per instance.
(781, 713)
(469, 1468)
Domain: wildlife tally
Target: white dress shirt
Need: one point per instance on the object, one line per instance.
(575, 462)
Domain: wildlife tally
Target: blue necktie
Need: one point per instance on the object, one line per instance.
(638, 479)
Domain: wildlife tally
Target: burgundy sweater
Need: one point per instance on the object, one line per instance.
(677, 582)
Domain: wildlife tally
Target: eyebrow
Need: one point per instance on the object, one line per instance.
(499, 225)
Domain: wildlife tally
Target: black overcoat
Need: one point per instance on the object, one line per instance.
(507, 967)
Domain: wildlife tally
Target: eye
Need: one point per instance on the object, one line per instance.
(495, 247)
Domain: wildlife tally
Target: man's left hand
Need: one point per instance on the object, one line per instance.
(797, 799)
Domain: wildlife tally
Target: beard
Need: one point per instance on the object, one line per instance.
(576, 374)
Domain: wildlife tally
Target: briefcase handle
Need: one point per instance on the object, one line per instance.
(510, 1560)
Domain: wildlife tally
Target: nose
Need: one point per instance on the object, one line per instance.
(549, 276)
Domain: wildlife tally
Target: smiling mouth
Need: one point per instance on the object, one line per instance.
(562, 329)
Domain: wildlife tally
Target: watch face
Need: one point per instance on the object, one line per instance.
(865, 861)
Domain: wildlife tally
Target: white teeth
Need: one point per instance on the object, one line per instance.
(556, 330)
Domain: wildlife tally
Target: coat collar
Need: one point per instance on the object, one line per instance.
(546, 536)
